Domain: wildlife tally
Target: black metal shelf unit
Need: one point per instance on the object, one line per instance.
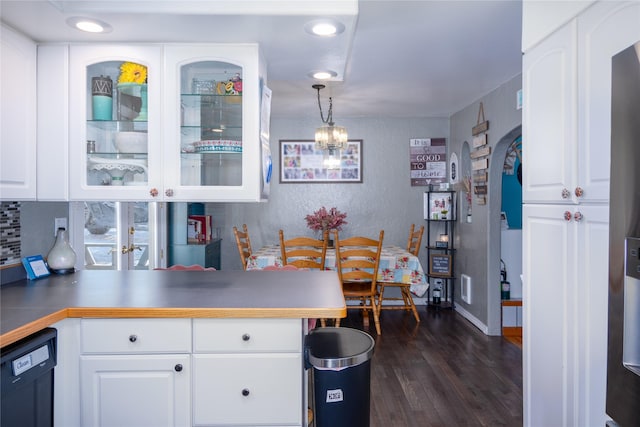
(440, 214)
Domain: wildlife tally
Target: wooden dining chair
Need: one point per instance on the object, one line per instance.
(304, 252)
(244, 244)
(413, 247)
(357, 261)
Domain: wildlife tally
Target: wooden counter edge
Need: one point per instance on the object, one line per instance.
(32, 327)
(119, 312)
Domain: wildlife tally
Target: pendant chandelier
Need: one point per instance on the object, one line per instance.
(329, 137)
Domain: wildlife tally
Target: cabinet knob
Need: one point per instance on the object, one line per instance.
(567, 216)
(168, 192)
(245, 392)
(246, 337)
(153, 192)
(579, 192)
(178, 367)
(578, 216)
(133, 338)
(565, 193)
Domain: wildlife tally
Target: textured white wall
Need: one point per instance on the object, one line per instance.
(384, 200)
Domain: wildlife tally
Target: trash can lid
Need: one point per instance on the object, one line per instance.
(337, 348)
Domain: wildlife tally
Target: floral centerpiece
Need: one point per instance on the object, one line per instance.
(324, 219)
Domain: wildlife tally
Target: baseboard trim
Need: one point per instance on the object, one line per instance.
(474, 320)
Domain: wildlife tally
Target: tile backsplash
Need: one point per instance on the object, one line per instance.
(10, 233)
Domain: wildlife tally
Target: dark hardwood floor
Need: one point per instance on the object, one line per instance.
(441, 372)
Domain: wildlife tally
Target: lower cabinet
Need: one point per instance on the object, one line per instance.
(135, 390)
(247, 372)
(246, 389)
(184, 372)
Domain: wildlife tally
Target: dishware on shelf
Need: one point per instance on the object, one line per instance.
(131, 142)
(218, 146)
(117, 168)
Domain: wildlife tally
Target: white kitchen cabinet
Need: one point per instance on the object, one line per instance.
(247, 389)
(248, 372)
(567, 105)
(99, 169)
(18, 116)
(564, 314)
(135, 390)
(212, 147)
(135, 372)
(566, 146)
(549, 106)
(163, 372)
(196, 119)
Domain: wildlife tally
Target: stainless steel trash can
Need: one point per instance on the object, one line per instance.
(341, 362)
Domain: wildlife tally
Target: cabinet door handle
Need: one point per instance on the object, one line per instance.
(133, 338)
(567, 216)
(565, 193)
(178, 367)
(153, 192)
(246, 337)
(245, 392)
(579, 192)
(168, 192)
(578, 216)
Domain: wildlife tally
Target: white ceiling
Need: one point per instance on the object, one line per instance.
(419, 58)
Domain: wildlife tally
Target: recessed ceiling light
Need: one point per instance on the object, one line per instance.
(324, 27)
(89, 25)
(323, 74)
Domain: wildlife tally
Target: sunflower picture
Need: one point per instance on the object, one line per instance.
(130, 72)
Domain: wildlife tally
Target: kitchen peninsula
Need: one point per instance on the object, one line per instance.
(226, 346)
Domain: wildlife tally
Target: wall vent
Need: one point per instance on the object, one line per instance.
(465, 288)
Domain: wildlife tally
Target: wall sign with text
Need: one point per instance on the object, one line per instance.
(428, 161)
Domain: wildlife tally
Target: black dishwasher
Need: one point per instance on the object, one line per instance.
(26, 381)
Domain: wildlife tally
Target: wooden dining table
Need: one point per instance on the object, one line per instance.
(396, 265)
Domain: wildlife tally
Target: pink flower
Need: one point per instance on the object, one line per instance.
(324, 219)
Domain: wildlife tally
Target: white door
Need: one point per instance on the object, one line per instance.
(119, 235)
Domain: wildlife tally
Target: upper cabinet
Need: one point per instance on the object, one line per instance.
(549, 86)
(115, 115)
(172, 123)
(567, 98)
(18, 116)
(212, 122)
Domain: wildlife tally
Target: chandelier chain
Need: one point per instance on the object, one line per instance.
(329, 119)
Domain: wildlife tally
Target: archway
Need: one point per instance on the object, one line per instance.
(494, 244)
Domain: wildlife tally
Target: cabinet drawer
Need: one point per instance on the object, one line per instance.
(247, 389)
(136, 335)
(247, 335)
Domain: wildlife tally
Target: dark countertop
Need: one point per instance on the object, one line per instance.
(28, 306)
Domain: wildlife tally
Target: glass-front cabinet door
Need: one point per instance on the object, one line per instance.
(212, 147)
(115, 107)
